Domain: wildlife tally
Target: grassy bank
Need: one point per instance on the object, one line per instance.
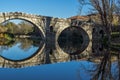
(6, 36)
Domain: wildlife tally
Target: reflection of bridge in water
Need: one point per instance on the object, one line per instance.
(44, 56)
(51, 28)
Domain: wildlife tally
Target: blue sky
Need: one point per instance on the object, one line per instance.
(55, 8)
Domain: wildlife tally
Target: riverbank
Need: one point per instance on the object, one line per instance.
(6, 36)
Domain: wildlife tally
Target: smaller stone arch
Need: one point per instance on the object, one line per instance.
(87, 27)
(83, 38)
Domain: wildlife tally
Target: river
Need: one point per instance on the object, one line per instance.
(16, 66)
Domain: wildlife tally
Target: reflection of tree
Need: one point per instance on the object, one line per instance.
(116, 69)
(86, 67)
(25, 44)
(119, 64)
(6, 45)
(106, 69)
(102, 71)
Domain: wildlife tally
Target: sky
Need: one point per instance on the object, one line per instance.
(54, 8)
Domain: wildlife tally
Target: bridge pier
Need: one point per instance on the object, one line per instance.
(50, 40)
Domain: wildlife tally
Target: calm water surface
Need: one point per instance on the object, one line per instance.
(74, 70)
(19, 49)
(95, 68)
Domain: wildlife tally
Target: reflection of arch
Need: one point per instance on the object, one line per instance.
(41, 47)
(30, 61)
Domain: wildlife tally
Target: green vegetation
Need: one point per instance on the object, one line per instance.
(5, 38)
(9, 32)
(8, 36)
(7, 42)
(22, 28)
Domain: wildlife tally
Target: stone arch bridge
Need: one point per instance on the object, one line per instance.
(45, 24)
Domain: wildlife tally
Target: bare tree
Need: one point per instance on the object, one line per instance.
(106, 10)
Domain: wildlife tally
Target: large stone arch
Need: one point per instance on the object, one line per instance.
(34, 19)
(34, 59)
(87, 27)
